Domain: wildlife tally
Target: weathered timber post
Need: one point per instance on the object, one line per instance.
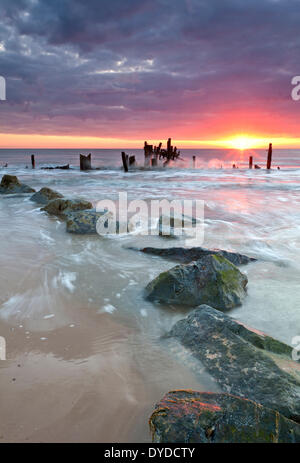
(154, 162)
(148, 154)
(85, 162)
(250, 162)
(124, 160)
(169, 149)
(269, 160)
(194, 162)
(32, 161)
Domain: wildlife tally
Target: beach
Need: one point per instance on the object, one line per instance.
(86, 359)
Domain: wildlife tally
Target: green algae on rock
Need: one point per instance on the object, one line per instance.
(186, 416)
(212, 280)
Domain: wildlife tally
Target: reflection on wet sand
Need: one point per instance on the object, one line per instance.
(82, 383)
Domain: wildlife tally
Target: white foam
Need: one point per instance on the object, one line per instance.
(109, 308)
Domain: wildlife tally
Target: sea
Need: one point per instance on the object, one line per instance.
(85, 353)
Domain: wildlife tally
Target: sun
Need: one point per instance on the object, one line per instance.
(242, 142)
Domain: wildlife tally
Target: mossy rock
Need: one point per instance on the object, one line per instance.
(242, 361)
(11, 185)
(83, 222)
(212, 280)
(45, 195)
(63, 207)
(186, 416)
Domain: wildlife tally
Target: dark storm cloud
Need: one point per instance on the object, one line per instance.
(118, 67)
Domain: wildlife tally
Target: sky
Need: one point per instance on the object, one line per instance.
(113, 73)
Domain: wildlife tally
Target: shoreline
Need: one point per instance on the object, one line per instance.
(108, 305)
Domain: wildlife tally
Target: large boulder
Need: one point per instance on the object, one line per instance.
(211, 280)
(45, 195)
(242, 361)
(187, 255)
(205, 417)
(63, 207)
(11, 185)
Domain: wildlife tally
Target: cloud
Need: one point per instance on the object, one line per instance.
(145, 67)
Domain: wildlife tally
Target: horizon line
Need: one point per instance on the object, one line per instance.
(235, 141)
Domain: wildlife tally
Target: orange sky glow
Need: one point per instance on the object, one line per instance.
(235, 141)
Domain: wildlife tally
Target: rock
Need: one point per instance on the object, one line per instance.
(242, 361)
(83, 222)
(211, 280)
(204, 417)
(64, 167)
(166, 231)
(10, 185)
(45, 195)
(63, 207)
(87, 222)
(177, 220)
(187, 255)
(169, 224)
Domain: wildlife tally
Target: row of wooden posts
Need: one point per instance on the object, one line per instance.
(151, 158)
(256, 166)
(152, 155)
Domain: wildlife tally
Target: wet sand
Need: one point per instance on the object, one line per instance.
(83, 383)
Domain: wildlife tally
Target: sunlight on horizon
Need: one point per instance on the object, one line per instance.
(237, 141)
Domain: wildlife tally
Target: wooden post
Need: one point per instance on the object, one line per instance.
(169, 145)
(269, 161)
(32, 161)
(194, 162)
(154, 162)
(250, 162)
(85, 162)
(148, 154)
(124, 159)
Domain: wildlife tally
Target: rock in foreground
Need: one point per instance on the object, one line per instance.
(187, 255)
(63, 207)
(211, 280)
(11, 185)
(83, 222)
(243, 362)
(45, 195)
(191, 417)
